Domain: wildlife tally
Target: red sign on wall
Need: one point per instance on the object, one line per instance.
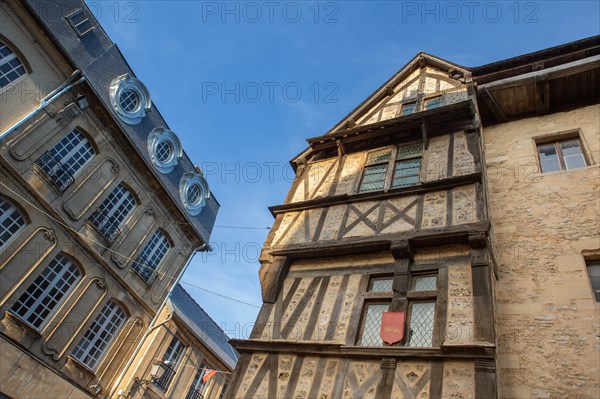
(392, 327)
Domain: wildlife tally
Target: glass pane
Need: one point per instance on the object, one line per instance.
(409, 151)
(593, 269)
(372, 325)
(379, 156)
(548, 158)
(406, 173)
(433, 103)
(421, 324)
(373, 178)
(408, 108)
(572, 154)
(381, 285)
(425, 283)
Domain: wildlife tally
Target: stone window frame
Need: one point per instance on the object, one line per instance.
(589, 259)
(413, 296)
(17, 215)
(193, 181)
(16, 54)
(391, 166)
(127, 83)
(67, 271)
(556, 138)
(152, 255)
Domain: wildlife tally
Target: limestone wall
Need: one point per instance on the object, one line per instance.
(544, 225)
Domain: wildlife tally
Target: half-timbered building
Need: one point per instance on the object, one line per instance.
(408, 208)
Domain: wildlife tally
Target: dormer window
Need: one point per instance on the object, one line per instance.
(194, 192)
(80, 23)
(164, 149)
(130, 99)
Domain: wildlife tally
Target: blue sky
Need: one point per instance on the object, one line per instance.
(243, 84)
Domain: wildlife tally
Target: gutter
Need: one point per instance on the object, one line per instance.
(49, 99)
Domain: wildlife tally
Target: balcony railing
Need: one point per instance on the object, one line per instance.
(55, 170)
(194, 393)
(165, 379)
(144, 269)
(106, 225)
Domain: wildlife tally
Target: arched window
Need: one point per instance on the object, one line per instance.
(11, 221)
(66, 158)
(11, 68)
(112, 212)
(100, 335)
(155, 250)
(42, 296)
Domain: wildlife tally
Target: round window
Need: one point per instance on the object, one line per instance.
(129, 100)
(193, 194)
(164, 151)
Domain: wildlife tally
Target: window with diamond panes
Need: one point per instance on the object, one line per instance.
(434, 102)
(408, 165)
(11, 68)
(371, 325)
(425, 283)
(422, 316)
(47, 290)
(100, 335)
(11, 221)
(375, 171)
(381, 284)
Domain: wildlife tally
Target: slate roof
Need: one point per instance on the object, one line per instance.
(100, 61)
(203, 327)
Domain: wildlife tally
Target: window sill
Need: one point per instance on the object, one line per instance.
(80, 366)
(557, 172)
(22, 331)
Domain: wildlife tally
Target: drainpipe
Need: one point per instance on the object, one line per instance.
(53, 95)
(153, 326)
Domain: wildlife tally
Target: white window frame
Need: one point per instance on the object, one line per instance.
(119, 204)
(81, 153)
(153, 253)
(46, 292)
(5, 60)
(93, 345)
(8, 219)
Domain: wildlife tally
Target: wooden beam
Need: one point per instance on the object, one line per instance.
(542, 94)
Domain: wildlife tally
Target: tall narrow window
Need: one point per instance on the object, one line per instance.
(11, 221)
(407, 166)
(376, 167)
(169, 363)
(422, 313)
(11, 68)
(155, 250)
(198, 388)
(593, 269)
(100, 335)
(112, 213)
(561, 155)
(42, 296)
(377, 301)
(66, 158)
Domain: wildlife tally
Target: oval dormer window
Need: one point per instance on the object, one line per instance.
(130, 99)
(164, 149)
(194, 192)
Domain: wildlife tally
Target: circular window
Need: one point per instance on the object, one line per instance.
(129, 100)
(194, 192)
(164, 149)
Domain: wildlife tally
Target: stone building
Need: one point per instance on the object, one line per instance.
(462, 203)
(101, 210)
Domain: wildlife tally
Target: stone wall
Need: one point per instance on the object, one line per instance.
(544, 225)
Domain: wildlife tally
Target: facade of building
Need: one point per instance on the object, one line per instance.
(101, 210)
(463, 204)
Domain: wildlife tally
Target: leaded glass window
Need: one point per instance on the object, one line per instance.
(425, 283)
(375, 171)
(434, 102)
(408, 108)
(46, 291)
(408, 165)
(421, 324)
(371, 325)
(381, 284)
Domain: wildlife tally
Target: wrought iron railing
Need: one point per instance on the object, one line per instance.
(144, 269)
(194, 393)
(166, 377)
(55, 170)
(106, 225)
